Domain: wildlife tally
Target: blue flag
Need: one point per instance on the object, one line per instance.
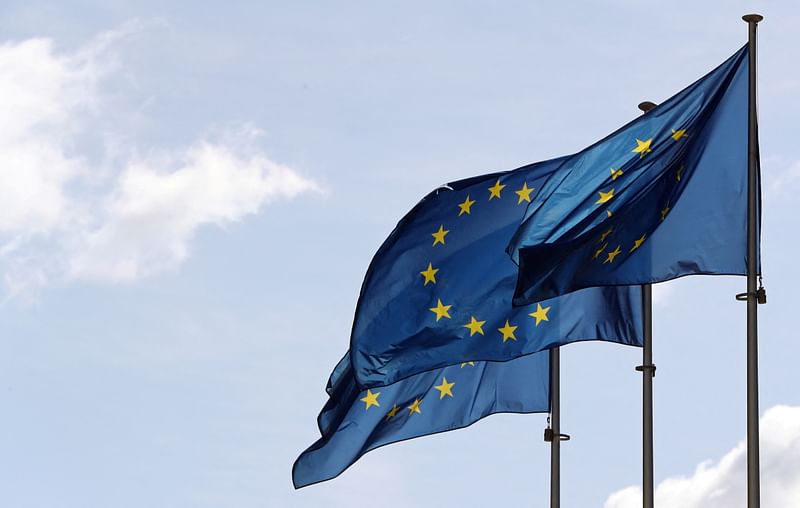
(440, 288)
(355, 421)
(662, 197)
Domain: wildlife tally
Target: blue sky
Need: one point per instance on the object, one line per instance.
(193, 193)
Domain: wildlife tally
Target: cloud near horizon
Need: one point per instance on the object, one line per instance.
(723, 483)
(69, 217)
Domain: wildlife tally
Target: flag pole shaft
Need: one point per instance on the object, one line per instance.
(648, 373)
(555, 425)
(753, 479)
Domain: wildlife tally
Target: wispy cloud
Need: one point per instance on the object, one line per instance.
(68, 214)
(781, 178)
(147, 219)
(722, 484)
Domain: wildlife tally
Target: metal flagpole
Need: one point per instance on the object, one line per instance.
(555, 421)
(648, 371)
(755, 294)
(553, 431)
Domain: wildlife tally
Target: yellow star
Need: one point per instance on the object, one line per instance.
(508, 332)
(371, 399)
(414, 407)
(429, 274)
(474, 326)
(642, 147)
(524, 193)
(678, 134)
(608, 212)
(611, 255)
(494, 191)
(604, 197)
(600, 251)
(445, 388)
(438, 237)
(441, 310)
(678, 173)
(471, 364)
(540, 314)
(605, 235)
(638, 243)
(392, 412)
(465, 206)
(664, 212)
(615, 173)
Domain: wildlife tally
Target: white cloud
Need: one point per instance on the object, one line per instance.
(150, 215)
(723, 484)
(39, 91)
(66, 216)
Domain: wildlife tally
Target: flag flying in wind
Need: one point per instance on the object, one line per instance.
(662, 197)
(355, 421)
(439, 291)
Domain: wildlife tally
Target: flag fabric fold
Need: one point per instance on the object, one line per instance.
(440, 288)
(355, 421)
(662, 197)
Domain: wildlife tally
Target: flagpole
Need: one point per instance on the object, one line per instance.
(555, 428)
(754, 293)
(553, 431)
(648, 371)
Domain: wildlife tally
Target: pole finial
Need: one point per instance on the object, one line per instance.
(647, 106)
(752, 18)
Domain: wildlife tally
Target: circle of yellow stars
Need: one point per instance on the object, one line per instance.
(642, 148)
(429, 275)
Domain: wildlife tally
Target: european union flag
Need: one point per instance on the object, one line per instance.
(439, 291)
(355, 421)
(662, 197)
